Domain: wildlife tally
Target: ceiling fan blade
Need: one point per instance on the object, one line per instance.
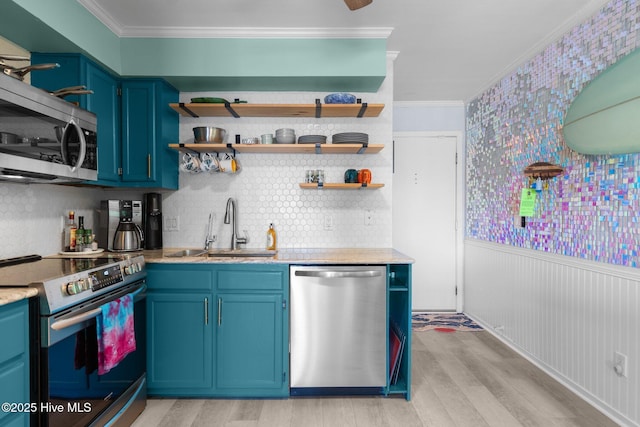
(357, 4)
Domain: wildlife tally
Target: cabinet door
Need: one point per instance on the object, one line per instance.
(14, 360)
(138, 131)
(179, 343)
(105, 104)
(249, 350)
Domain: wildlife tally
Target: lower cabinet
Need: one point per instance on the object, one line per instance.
(217, 330)
(14, 363)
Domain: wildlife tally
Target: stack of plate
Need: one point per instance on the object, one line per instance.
(312, 139)
(285, 136)
(350, 138)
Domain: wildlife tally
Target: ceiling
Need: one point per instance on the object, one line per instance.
(448, 50)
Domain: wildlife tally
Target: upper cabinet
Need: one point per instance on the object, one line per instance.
(135, 124)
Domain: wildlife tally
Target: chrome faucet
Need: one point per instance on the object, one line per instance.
(211, 238)
(230, 218)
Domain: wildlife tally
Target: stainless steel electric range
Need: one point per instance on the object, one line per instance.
(72, 293)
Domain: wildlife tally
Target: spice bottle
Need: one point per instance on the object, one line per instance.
(271, 238)
(70, 232)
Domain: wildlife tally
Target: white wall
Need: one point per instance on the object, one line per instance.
(267, 187)
(567, 315)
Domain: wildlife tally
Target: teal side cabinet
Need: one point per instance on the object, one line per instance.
(252, 358)
(179, 330)
(14, 361)
(148, 127)
(399, 309)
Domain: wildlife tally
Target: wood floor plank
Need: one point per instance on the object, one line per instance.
(459, 379)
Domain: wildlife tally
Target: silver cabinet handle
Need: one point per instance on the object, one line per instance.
(338, 274)
(219, 311)
(206, 311)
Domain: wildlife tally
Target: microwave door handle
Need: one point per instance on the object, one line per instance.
(65, 323)
(70, 127)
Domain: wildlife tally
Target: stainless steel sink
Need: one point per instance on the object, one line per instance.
(241, 253)
(187, 252)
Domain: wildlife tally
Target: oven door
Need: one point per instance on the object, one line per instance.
(71, 392)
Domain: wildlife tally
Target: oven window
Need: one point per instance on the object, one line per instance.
(72, 381)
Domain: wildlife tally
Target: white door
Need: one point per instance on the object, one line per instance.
(424, 216)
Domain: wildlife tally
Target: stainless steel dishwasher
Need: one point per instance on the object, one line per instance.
(338, 326)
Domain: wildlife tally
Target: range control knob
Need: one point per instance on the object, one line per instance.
(76, 286)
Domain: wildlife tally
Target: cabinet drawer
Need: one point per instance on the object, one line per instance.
(251, 279)
(178, 277)
(13, 329)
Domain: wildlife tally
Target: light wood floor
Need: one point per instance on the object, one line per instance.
(459, 379)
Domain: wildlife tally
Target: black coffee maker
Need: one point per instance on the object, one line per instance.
(152, 220)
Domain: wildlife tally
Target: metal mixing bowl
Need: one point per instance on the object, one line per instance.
(208, 135)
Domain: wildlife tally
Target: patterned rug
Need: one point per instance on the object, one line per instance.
(443, 322)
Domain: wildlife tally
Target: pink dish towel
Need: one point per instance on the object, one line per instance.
(116, 333)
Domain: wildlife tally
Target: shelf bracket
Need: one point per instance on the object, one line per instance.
(187, 149)
(318, 109)
(364, 147)
(230, 109)
(363, 109)
(233, 150)
(187, 110)
(318, 148)
(320, 185)
(364, 185)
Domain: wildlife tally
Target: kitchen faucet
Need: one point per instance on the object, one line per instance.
(230, 218)
(210, 236)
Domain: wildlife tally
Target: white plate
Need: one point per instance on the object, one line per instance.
(82, 254)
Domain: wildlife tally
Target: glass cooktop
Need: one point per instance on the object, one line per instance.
(49, 268)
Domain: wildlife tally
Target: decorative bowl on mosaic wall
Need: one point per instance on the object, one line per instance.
(603, 118)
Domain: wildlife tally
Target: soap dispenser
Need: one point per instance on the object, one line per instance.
(271, 238)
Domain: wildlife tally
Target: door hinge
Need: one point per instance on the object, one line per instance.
(284, 304)
(456, 290)
(119, 91)
(456, 158)
(119, 171)
(284, 377)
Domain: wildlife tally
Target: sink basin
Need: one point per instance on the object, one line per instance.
(241, 253)
(187, 252)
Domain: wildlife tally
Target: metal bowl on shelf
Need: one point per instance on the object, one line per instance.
(208, 135)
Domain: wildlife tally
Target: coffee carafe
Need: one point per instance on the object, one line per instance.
(128, 235)
(152, 220)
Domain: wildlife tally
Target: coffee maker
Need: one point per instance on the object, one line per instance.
(152, 220)
(111, 213)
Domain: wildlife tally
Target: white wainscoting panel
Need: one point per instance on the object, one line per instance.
(567, 315)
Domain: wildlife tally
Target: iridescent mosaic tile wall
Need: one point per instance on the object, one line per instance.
(592, 210)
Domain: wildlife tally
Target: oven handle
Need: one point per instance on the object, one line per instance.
(65, 323)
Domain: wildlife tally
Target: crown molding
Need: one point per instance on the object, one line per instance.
(233, 32)
(257, 32)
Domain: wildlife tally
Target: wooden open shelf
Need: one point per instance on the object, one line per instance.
(340, 186)
(281, 148)
(277, 110)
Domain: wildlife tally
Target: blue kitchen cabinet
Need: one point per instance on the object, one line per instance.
(135, 122)
(76, 69)
(179, 330)
(148, 126)
(399, 309)
(14, 361)
(244, 352)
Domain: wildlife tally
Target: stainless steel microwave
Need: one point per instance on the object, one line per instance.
(44, 139)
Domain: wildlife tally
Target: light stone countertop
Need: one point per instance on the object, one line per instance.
(283, 256)
(293, 256)
(9, 295)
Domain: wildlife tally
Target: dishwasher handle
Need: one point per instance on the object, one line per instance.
(339, 274)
